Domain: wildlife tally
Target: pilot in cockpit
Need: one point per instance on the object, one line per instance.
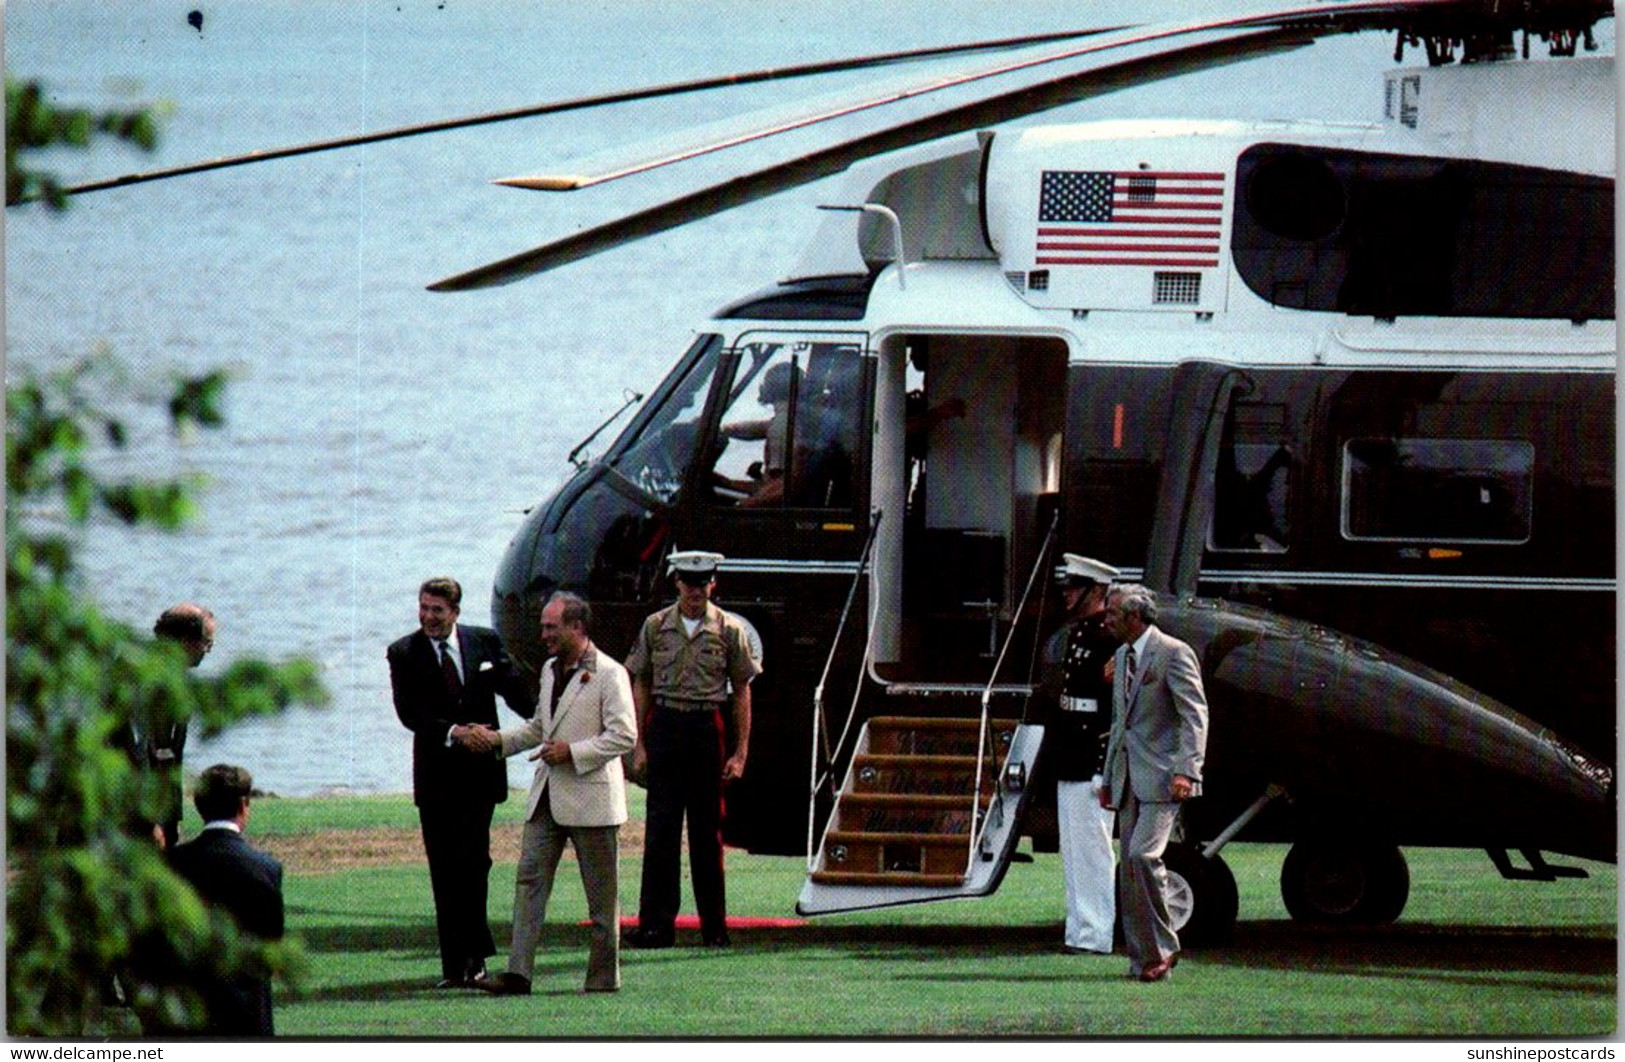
(777, 384)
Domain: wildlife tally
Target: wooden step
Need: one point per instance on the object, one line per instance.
(908, 800)
(923, 775)
(896, 852)
(891, 735)
(904, 813)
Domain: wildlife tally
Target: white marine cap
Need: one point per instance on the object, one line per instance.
(1080, 569)
(693, 562)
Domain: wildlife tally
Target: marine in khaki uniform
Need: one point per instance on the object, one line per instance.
(689, 663)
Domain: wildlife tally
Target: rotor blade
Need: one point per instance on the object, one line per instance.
(847, 108)
(1420, 11)
(587, 102)
(831, 160)
(1272, 31)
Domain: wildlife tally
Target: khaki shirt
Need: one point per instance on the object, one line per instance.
(692, 669)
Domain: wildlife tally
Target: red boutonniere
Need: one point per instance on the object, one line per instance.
(586, 677)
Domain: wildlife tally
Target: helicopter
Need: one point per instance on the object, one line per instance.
(1339, 444)
(1343, 395)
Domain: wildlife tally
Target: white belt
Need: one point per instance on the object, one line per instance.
(1079, 704)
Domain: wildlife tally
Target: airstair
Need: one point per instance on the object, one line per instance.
(931, 801)
(905, 828)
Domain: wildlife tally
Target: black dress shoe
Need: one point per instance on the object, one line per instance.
(645, 937)
(717, 940)
(504, 984)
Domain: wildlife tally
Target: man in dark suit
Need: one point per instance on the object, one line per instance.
(445, 677)
(232, 875)
(1153, 765)
(158, 749)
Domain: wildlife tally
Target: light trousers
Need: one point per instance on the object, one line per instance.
(1088, 865)
(541, 846)
(1145, 828)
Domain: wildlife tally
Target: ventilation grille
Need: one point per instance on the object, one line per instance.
(1038, 280)
(1177, 289)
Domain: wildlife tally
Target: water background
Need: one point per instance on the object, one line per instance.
(379, 433)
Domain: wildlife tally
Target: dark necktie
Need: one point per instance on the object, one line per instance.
(448, 668)
(1130, 676)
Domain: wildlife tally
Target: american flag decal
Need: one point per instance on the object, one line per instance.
(1144, 218)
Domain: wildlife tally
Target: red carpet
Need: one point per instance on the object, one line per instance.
(693, 922)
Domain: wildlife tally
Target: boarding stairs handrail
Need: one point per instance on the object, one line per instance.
(979, 819)
(819, 727)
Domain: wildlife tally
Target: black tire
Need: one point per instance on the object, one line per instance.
(1204, 892)
(1356, 882)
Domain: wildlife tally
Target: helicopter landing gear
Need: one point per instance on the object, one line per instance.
(1202, 898)
(1347, 882)
(1202, 901)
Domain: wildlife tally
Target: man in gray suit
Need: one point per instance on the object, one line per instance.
(1153, 763)
(584, 724)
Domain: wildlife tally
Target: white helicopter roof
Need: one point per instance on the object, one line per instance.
(1479, 111)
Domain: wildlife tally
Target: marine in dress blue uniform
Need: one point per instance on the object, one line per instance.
(1076, 711)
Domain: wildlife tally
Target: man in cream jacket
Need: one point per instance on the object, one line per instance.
(584, 723)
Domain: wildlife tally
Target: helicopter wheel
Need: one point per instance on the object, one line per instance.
(1202, 901)
(1340, 884)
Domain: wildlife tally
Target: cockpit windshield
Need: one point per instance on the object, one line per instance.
(659, 445)
(791, 427)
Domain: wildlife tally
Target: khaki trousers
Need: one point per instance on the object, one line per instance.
(597, 851)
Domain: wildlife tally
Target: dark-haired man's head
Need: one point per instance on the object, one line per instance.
(223, 793)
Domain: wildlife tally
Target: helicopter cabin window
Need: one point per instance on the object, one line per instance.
(1438, 490)
(1386, 236)
(1250, 512)
(656, 451)
(789, 433)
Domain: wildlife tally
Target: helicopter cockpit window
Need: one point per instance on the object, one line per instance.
(661, 446)
(791, 427)
(1438, 490)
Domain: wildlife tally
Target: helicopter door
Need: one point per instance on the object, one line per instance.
(983, 423)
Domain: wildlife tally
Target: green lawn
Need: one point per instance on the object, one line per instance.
(1473, 955)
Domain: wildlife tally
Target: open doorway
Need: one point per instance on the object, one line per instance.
(968, 451)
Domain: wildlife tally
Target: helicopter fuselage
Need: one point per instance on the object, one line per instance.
(1389, 532)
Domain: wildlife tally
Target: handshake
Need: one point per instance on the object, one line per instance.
(481, 740)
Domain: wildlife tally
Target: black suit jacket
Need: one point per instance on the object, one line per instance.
(453, 775)
(234, 876)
